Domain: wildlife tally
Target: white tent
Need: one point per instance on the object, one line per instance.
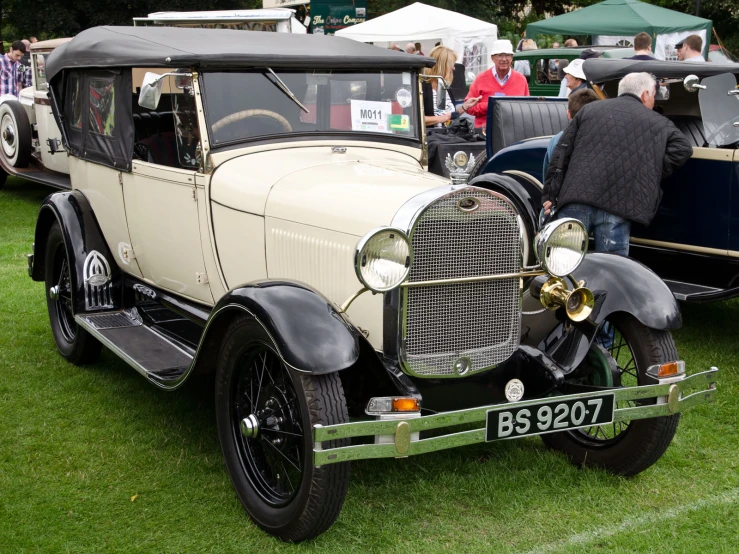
(470, 38)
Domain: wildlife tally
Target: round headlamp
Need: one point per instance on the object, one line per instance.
(383, 259)
(561, 245)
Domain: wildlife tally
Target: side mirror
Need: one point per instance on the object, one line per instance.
(692, 83)
(151, 90)
(663, 93)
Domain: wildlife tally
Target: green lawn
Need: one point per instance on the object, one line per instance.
(96, 460)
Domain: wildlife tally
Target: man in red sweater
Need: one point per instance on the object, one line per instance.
(500, 80)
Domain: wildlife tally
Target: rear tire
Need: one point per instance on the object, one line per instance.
(15, 134)
(73, 342)
(272, 468)
(625, 448)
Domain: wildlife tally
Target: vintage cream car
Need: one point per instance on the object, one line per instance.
(258, 209)
(30, 140)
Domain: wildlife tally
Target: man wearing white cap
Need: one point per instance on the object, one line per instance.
(574, 78)
(501, 80)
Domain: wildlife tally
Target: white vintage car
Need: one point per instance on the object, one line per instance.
(255, 206)
(30, 140)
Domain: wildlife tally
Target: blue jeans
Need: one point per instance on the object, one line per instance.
(611, 232)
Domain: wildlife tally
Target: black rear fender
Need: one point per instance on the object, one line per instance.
(88, 252)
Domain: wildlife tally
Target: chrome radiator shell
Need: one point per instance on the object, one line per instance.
(459, 329)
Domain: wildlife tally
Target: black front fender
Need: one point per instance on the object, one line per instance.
(309, 332)
(619, 285)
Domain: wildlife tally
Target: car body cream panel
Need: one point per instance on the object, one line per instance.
(411, 151)
(102, 188)
(167, 241)
(245, 182)
(351, 198)
(239, 238)
(324, 260)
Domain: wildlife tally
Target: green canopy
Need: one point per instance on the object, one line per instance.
(622, 18)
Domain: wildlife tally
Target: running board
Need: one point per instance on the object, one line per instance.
(147, 351)
(689, 292)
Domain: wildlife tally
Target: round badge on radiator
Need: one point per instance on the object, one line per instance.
(462, 365)
(468, 204)
(514, 390)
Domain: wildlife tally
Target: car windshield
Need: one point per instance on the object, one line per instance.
(250, 105)
(720, 110)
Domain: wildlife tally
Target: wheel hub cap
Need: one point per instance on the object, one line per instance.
(54, 292)
(250, 427)
(9, 135)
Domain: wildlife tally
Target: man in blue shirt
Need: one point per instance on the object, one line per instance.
(9, 74)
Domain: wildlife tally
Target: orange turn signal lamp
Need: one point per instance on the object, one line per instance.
(392, 405)
(669, 369)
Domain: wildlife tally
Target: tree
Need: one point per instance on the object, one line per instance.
(62, 18)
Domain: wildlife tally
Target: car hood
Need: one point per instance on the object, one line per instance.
(350, 192)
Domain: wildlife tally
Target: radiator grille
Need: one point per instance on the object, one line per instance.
(481, 320)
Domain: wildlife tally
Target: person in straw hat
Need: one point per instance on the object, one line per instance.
(500, 80)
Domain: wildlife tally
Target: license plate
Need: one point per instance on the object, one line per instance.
(510, 421)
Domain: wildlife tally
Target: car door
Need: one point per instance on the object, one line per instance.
(163, 222)
(694, 212)
(53, 155)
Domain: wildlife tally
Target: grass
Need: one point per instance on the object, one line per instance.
(96, 460)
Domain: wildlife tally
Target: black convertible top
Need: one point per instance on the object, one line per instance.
(598, 70)
(110, 47)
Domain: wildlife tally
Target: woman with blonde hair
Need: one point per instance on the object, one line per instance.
(523, 66)
(433, 116)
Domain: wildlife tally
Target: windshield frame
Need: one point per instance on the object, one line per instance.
(415, 139)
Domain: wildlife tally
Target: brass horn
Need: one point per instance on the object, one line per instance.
(577, 303)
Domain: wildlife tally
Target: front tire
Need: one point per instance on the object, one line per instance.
(625, 448)
(480, 162)
(15, 134)
(73, 342)
(265, 414)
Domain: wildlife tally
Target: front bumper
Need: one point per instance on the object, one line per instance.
(673, 397)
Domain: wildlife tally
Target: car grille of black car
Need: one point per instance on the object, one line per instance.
(462, 328)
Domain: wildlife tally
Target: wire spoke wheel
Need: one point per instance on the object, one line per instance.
(72, 341)
(265, 411)
(273, 459)
(622, 352)
(61, 295)
(625, 375)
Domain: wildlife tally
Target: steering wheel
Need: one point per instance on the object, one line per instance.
(244, 114)
(542, 77)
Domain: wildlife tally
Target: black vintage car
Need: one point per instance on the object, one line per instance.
(349, 304)
(693, 241)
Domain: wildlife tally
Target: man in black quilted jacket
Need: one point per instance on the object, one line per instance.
(607, 167)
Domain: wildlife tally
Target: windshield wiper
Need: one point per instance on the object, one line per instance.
(283, 87)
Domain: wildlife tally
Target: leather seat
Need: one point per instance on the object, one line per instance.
(515, 120)
(692, 128)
